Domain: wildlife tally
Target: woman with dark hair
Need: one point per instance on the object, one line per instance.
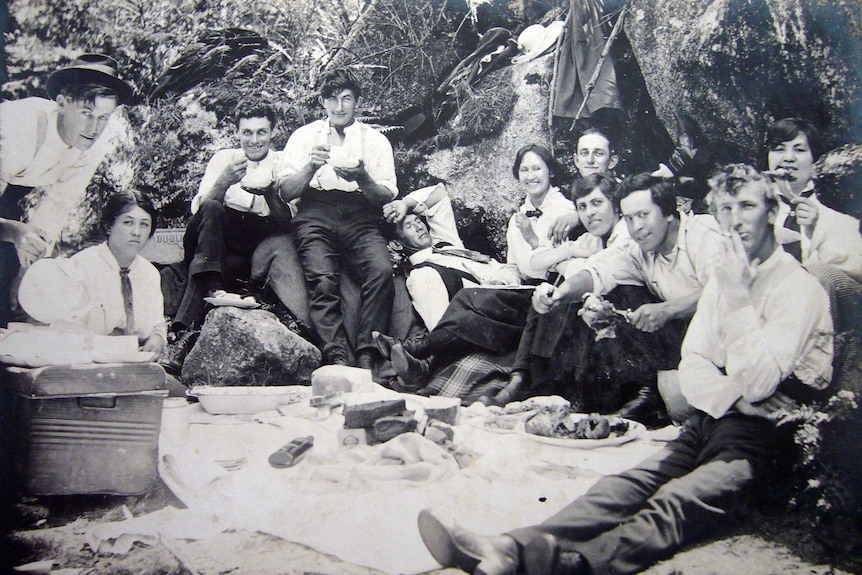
(810, 231)
(124, 287)
(826, 241)
(538, 174)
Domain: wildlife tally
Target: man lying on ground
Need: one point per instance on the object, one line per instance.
(424, 229)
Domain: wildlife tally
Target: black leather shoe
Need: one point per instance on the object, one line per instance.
(365, 359)
(383, 343)
(335, 356)
(647, 408)
(175, 354)
(543, 556)
(413, 372)
(514, 390)
(452, 546)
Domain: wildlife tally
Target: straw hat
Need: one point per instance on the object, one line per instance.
(51, 291)
(535, 40)
(90, 69)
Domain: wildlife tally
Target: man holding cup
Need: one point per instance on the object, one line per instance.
(233, 211)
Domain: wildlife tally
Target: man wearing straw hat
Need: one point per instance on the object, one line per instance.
(55, 145)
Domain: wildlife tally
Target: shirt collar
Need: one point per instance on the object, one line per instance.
(528, 202)
(421, 256)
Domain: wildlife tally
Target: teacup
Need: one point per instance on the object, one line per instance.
(339, 157)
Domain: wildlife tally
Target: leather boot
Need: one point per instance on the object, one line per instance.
(413, 372)
(453, 546)
(383, 343)
(647, 408)
(365, 359)
(515, 390)
(175, 354)
(544, 556)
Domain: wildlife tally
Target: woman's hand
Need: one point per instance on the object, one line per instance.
(547, 297)
(561, 227)
(807, 213)
(526, 227)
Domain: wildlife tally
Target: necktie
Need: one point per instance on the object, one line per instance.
(793, 248)
(441, 248)
(537, 213)
(126, 285)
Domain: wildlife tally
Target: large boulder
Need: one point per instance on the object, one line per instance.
(478, 173)
(248, 347)
(734, 65)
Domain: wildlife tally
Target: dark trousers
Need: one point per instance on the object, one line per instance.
(221, 240)
(10, 209)
(627, 522)
(491, 319)
(332, 229)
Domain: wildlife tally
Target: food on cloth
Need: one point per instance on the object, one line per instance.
(512, 414)
(363, 415)
(560, 423)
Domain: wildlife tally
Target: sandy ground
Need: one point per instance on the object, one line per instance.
(55, 528)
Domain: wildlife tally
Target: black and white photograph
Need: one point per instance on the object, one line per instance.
(427, 287)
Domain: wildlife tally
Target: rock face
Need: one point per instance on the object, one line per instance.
(734, 65)
(248, 347)
(478, 175)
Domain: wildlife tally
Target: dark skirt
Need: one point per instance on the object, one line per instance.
(602, 375)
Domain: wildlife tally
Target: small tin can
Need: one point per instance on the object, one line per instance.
(290, 454)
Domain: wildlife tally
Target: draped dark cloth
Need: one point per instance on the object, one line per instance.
(583, 42)
(597, 376)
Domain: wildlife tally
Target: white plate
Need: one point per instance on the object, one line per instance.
(635, 430)
(237, 400)
(219, 301)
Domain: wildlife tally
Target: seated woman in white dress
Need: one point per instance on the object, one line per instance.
(128, 220)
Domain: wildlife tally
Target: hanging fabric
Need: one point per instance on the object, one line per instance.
(579, 54)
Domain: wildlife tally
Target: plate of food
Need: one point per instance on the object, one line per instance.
(511, 418)
(560, 427)
(222, 298)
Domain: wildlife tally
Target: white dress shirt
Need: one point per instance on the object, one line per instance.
(519, 252)
(360, 142)
(680, 273)
(32, 154)
(235, 197)
(730, 354)
(427, 289)
(98, 269)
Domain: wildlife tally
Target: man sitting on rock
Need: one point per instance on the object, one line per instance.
(343, 172)
(759, 342)
(425, 231)
(234, 210)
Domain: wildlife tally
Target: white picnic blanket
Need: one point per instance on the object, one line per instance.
(360, 503)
